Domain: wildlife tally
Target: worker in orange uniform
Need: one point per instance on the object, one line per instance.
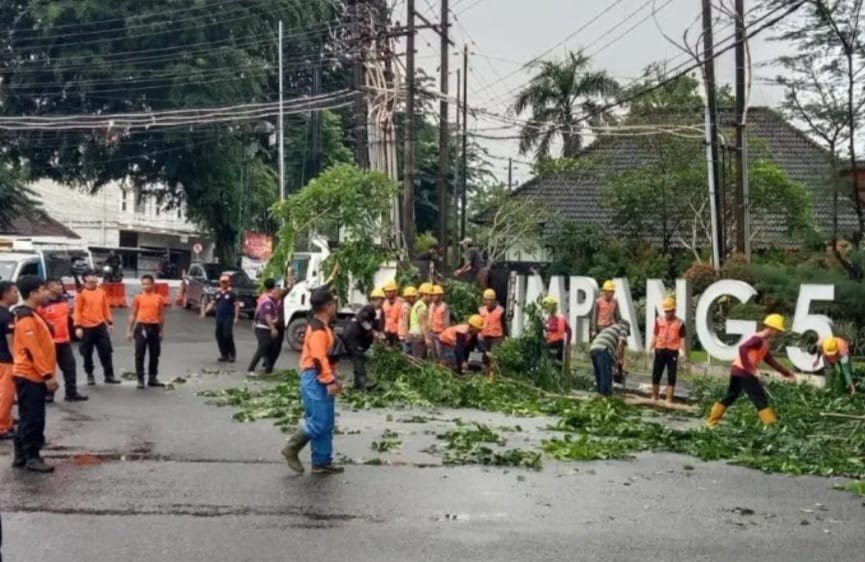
(458, 341)
(56, 312)
(392, 308)
(494, 321)
(319, 387)
(93, 324)
(835, 354)
(668, 343)
(556, 329)
(147, 328)
(743, 374)
(410, 296)
(34, 363)
(439, 319)
(606, 310)
(8, 299)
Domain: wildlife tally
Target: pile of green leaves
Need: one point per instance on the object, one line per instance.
(462, 299)
(472, 444)
(389, 441)
(280, 402)
(528, 358)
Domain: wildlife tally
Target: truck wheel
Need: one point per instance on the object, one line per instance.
(295, 333)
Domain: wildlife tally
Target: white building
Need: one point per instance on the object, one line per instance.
(115, 218)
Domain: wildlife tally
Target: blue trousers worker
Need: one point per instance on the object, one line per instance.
(318, 419)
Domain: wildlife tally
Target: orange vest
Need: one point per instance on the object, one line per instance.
(843, 351)
(668, 336)
(556, 329)
(606, 312)
(449, 336)
(438, 318)
(493, 327)
(56, 313)
(392, 314)
(755, 356)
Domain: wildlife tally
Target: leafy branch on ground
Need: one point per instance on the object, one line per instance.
(389, 441)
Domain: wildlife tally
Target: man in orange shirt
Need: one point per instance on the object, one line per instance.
(56, 312)
(319, 386)
(8, 299)
(494, 321)
(392, 308)
(147, 328)
(606, 312)
(93, 323)
(34, 363)
(439, 318)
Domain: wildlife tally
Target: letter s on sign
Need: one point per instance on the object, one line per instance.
(804, 322)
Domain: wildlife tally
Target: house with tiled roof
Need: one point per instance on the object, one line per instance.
(577, 196)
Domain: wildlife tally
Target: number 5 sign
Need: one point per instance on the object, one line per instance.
(804, 321)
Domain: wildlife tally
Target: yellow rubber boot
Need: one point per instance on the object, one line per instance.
(767, 416)
(716, 414)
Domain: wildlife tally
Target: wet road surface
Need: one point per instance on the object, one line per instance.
(160, 476)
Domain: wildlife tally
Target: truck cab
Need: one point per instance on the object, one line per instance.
(305, 274)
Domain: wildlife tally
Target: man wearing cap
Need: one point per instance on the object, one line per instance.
(410, 297)
(358, 337)
(557, 331)
(606, 310)
(418, 323)
(439, 319)
(494, 321)
(835, 354)
(319, 387)
(392, 309)
(668, 343)
(743, 373)
(376, 299)
(475, 265)
(458, 341)
(227, 307)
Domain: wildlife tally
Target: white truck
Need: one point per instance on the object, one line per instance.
(306, 271)
(43, 256)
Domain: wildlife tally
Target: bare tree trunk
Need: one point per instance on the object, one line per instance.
(851, 124)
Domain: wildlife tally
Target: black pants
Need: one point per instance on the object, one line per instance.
(99, 338)
(393, 340)
(147, 340)
(276, 347)
(665, 358)
(31, 418)
(264, 350)
(557, 350)
(66, 362)
(225, 337)
(358, 362)
(751, 386)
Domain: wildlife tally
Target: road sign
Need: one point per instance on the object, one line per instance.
(197, 248)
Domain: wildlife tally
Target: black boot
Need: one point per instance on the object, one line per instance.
(111, 380)
(38, 465)
(153, 381)
(91, 380)
(291, 451)
(19, 460)
(75, 397)
(140, 382)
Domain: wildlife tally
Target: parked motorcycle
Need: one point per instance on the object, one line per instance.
(112, 273)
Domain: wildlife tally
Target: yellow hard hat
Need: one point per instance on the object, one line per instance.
(476, 321)
(609, 286)
(391, 286)
(437, 290)
(830, 347)
(489, 294)
(425, 289)
(409, 292)
(774, 321)
(550, 301)
(376, 293)
(669, 304)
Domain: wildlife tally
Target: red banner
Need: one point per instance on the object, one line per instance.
(257, 245)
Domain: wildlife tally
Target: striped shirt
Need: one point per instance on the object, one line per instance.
(609, 338)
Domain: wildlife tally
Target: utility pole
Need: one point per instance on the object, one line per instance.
(281, 122)
(444, 126)
(712, 137)
(361, 149)
(408, 219)
(465, 140)
(457, 180)
(510, 173)
(743, 207)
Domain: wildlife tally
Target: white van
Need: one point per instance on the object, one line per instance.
(44, 257)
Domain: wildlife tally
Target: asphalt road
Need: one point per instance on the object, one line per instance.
(159, 475)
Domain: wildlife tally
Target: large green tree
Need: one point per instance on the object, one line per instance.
(65, 57)
(563, 97)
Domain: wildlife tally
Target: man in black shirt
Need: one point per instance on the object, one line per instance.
(358, 337)
(227, 307)
(475, 267)
(8, 299)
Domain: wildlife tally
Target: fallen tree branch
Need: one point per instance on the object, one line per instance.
(844, 416)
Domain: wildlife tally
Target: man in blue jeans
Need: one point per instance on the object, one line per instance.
(318, 388)
(607, 349)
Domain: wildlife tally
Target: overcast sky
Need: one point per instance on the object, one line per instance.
(504, 34)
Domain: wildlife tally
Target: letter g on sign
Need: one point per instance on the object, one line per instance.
(713, 345)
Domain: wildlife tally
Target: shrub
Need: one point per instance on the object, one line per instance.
(701, 275)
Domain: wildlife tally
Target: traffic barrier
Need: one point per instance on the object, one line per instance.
(116, 293)
(162, 289)
(181, 294)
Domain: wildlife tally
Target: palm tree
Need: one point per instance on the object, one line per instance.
(563, 96)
